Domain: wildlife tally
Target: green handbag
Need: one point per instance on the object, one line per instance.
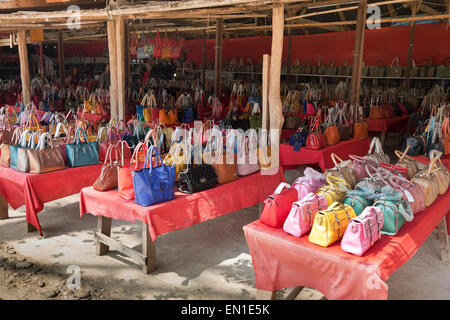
(443, 71)
(357, 199)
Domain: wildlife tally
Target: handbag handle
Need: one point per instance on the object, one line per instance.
(157, 155)
(121, 144)
(377, 144)
(77, 136)
(334, 156)
(281, 186)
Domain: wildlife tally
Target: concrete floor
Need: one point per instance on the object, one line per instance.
(207, 261)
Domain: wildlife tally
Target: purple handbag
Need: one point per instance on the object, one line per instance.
(359, 166)
(312, 181)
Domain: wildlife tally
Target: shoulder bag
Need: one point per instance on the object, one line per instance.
(277, 206)
(82, 154)
(334, 190)
(44, 159)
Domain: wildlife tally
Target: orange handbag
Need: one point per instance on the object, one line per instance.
(445, 128)
(331, 132)
(361, 126)
(164, 116)
(173, 116)
(377, 112)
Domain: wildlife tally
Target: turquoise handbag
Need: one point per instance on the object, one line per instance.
(358, 199)
(395, 210)
(82, 154)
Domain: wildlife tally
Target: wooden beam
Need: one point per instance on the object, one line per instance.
(443, 239)
(60, 47)
(112, 47)
(24, 67)
(121, 66)
(342, 17)
(391, 9)
(265, 92)
(275, 104)
(358, 52)
(289, 58)
(3, 208)
(218, 59)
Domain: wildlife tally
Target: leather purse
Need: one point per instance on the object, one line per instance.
(377, 112)
(22, 162)
(428, 180)
(396, 170)
(153, 185)
(375, 179)
(412, 193)
(298, 139)
(5, 154)
(108, 178)
(278, 205)
(331, 132)
(125, 179)
(315, 140)
(345, 132)
(256, 117)
(376, 152)
(394, 214)
(445, 128)
(329, 225)
(407, 162)
(442, 175)
(342, 170)
(302, 214)
(43, 159)
(6, 129)
(310, 182)
(197, 178)
(82, 154)
(361, 126)
(358, 199)
(363, 231)
(334, 190)
(226, 172)
(359, 166)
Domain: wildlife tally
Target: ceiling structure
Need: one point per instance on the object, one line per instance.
(192, 17)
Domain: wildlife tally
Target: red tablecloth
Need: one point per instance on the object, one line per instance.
(186, 209)
(281, 260)
(33, 190)
(289, 157)
(379, 125)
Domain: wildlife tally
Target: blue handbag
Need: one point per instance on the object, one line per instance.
(82, 154)
(298, 139)
(153, 185)
(188, 116)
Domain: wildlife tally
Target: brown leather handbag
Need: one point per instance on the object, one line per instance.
(6, 130)
(345, 131)
(361, 126)
(226, 172)
(407, 162)
(44, 159)
(342, 170)
(331, 132)
(442, 174)
(108, 178)
(428, 180)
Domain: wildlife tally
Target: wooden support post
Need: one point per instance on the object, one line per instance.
(275, 104)
(289, 59)
(3, 208)
(265, 295)
(30, 228)
(62, 72)
(218, 58)
(443, 239)
(358, 51)
(121, 66)
(415, 8)
(41, 59)
(148, 250)
(294, 293)
(204, 60)
(265, 91)
(24, 67)
(127, 60)
(111, 25)
(103, 227)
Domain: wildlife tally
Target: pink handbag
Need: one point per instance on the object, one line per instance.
(302, 214)
(312, 181)
(412, 192)
(363, 231)
(359, 166)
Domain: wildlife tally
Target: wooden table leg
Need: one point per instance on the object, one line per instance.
(265, 295)
(383, 137)
(3, 209)
(294, 293)
(30, 228)
(443, 239)
(148, 250)
(104, 227)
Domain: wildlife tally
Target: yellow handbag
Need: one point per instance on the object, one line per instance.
(329, 225)
(147, 111)
(33, 124)
(176, 157)
(335, 190)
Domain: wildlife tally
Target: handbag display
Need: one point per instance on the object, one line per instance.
(363, 231)
(153, 185)
(5, 154)
(197, 178)
(329, 225)
(412, 193)
(310, 182)
(302, 214)
(342, 170)
(376, 152)
(359, 164)
(407, 162)
(315, 140)
(42, 159)
(358, 199)
(278, 205)
(82, 154)
(334, 190)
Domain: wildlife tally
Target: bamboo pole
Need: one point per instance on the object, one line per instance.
(112, 47)
(204, 60)
(289, 61)
(265, 91)
(218, 58)
(121, 85)
(24, 67)
(358, 52)
(62, 72)
(415, 8)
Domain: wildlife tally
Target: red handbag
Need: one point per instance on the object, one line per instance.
(204, 110)
(397, 170)
(157, 51)
(277, 206)
(315, 139)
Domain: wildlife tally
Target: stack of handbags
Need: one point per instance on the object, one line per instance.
(363, 231)
(376, 152)
(334, 190)
(395, 210)
(407, 162)
(310, 182)
(278, 205)
(358, 199)
(342, 170)
(329, 225)
(302, 214)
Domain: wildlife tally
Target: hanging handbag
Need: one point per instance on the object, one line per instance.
(153, 185)
(412, 193)
(407, 162)
(157, 50)
(302, 214)
(329, 225)
(395, 71)
(42, 159)
(363, 231)
(359, 166)
(310, 182)
(358, 199)
(334, 190)
(197, 178)
(256, 117)
(315, 140)
(342, 170)
(443, 70)
(376, 152)
(278, 205)
(82, 154)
